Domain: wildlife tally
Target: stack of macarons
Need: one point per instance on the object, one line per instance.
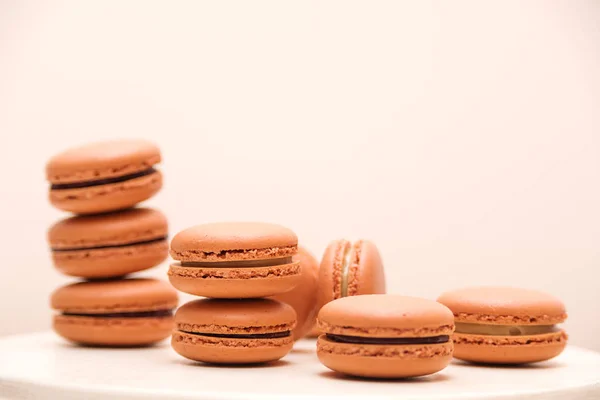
(107, 239)
(236, 267)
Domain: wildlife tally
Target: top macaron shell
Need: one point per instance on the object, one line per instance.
(504, 305)
(109, 245)
(385, 316)
(87, 167)
(365, 276)
(225, 241)
(123, 295)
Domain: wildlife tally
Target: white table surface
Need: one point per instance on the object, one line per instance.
(43, 366)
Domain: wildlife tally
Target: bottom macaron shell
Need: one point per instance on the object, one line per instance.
(111, 262)
(383, 361)
(117, 332)
(508, 349)
(104, 198)
(209, 282)
(230, 350)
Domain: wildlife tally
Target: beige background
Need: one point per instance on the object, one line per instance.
(463, 138)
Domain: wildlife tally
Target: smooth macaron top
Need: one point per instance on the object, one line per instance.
(102, 160)
(124, 295)
(381, 315)
(121, 227)
(504, 305)
(235, 316)
(233, 240)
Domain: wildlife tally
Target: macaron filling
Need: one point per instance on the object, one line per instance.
(99, 182)
(271, 335)
(388, 341)
(504, 330)
(272, 262)
(133, 314)
(143, 242)
(348, 259)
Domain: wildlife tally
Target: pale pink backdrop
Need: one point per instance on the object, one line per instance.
(462, 137)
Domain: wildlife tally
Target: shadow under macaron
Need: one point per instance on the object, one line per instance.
(437, 377)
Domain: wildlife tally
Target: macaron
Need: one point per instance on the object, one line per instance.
(235, 260)
(104, 176)
(505, 325)
(234, 331)
(128, 312)
(385, 336)
(109, 245)
(303, 298)
(350, 269)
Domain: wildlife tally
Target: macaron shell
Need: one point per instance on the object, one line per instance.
(228, 241)
(230, 350)
(111, 262)
(508, 349)
(117, 228)
(109, 197)
(504, 305)
(383, 361)
(102, 160)
(235, 316)
(367, 277)
(388, 316)
(95, 331)
(303, 298)
(124, 295)
(244, 282)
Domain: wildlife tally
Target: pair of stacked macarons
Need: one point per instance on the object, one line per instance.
(236, 267)
(107, 240)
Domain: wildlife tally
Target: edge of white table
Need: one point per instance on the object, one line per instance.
(43, 366)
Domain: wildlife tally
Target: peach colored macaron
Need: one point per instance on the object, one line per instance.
(234, 331)
(505, 325)
(303, 298)
(235, 260)
(385, 336)
(109, 245)
(104, 176)
(350, 269)
(127, 312)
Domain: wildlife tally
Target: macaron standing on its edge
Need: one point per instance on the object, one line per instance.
(127, 312)
(350, 269)
(234, 331)
(104, 176)
(235, 260)
(385, 336)
(504, 325)
(303, 298)
(109, 245)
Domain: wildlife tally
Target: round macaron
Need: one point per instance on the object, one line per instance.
(234, 331)
(385, 336)
(109, 245)
(303, 298)
(504, 325)
(128, 312)
(235, 260)
(350, 269)
(104, 176)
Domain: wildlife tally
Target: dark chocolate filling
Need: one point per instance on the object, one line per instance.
(98, 182)
(136, 314)
(274, 335)
(391, 341)
(160, 239)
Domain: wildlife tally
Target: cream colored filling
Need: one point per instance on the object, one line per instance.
(347, 261)
(240, 264)
(504, 330)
